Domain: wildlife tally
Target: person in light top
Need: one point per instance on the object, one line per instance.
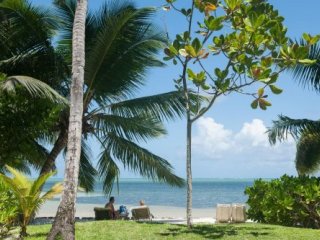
(142, 204)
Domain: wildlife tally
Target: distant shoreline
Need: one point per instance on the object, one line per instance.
(160, 212)
(194, 179)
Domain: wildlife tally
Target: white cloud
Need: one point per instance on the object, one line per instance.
(212, 136)
(213, 141)
(254, 133)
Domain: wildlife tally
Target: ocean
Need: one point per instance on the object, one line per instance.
(206, 193)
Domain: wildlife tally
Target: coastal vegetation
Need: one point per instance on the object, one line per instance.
(248, 43)
(22, 198)
(112, 115)
(120, 34)
(289, 201)
(69, 77)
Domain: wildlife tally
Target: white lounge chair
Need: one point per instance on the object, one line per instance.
(223, 213)
(141, 213)
(238, 213)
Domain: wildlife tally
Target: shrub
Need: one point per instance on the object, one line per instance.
(8, 210)
(288, 201)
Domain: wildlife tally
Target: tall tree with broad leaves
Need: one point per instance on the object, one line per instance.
(248, 42)
(305, 131)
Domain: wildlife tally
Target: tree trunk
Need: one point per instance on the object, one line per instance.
(23, 232)
(59, 145)
(189, 135)
(64, 223)
(189, 174)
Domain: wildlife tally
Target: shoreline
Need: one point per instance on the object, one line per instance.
(160, 212)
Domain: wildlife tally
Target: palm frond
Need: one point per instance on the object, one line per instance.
(87, 173)
(39, 182)
(25, 42)
(133, 128)
(284, 126)
(35, 154)
(54, 190)
(108, 171)
(141, 161)
(121, 44)
(10, 183)
(309, 75)
(18, 163)
(19, 178)
(165, 106)
(308, 154)
(33, 86)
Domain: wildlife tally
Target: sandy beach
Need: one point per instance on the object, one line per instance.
(160, 212)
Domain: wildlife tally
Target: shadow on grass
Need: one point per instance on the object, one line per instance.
(216, 231)
(38, 235)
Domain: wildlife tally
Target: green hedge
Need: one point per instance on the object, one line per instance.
(288, 201)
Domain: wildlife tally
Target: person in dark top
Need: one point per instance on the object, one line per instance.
(115, 214)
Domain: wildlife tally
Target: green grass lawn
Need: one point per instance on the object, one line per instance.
(132, 230)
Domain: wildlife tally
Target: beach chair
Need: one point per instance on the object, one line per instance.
(102, 213)
(238, 213)
(223, 213)
(141, 213)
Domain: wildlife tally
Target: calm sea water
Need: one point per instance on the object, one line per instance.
(206, 193)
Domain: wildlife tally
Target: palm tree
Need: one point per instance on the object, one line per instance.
(28, 195)
(121, 44)
(305, 131)
(25, 43)
(64, 222)
(26, 50)
(110, 108)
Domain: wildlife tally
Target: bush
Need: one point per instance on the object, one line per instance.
(8, 210)
(288, 201)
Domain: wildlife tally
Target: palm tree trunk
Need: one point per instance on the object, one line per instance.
(59, 145)
(23, 232)
(189, 174)
(64, 223)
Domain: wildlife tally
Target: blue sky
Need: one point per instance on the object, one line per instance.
(230, 141)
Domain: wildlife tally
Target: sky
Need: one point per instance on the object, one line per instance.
(230, 141)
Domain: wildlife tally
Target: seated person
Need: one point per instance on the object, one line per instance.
(115, 214)
(142, 204)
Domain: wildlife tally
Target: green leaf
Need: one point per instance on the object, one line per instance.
(214, 24)
(263, 104)
(173, 50)
(259, 21)
(196, 45)
(306, 37)
(191, 51)
(307, 61)
(191, 74)
(275, 89)
(260, 92)
(254, 104)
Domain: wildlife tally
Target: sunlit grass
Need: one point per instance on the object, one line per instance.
(136, 231)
